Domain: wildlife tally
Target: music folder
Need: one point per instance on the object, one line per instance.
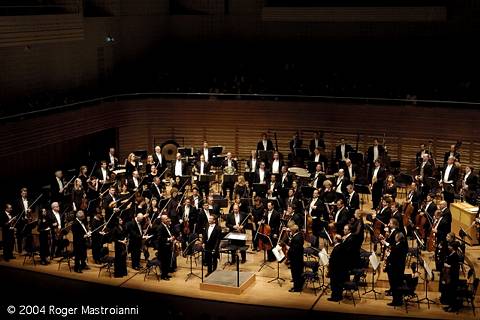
(236, 236)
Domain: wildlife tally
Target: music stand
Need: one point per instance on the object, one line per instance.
(279, 256)
(216, 161)
(265, 262)
(355, 157)
(230, 178)
(265, 156)
(185, 152)
(142, 154)
(428, 273)
(363, 190)
(307, 191)
(375, 264)
(260, 188)
(302, 153)
(190, 251)
(216, 150)
(207, 178)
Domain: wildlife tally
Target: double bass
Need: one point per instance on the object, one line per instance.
(265, 231)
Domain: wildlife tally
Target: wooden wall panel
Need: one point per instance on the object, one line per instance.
(237, 126)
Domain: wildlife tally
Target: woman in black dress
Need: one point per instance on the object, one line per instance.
(131, 165)
(119, 237)
(390, 187)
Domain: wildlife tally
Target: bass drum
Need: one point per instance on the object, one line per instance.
(169, 150)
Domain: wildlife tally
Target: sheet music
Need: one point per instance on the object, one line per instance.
(323, 255)
(278, 253)
(236, 236)
(374, 261)
(427, 268)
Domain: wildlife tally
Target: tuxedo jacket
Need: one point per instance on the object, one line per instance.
(212, 243)
(230, 223)
(370, 153)
(338, 151)
(269, 145)
(320, 142)
(206, 168)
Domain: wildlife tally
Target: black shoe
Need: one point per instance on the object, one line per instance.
(43, 263)
(208, 273)
(447, 308)
(78, 271)
(388, 293)
(395, 304)
(334, 299)
(294, 290)
(86, 268)
(243, 261)
(165, 278)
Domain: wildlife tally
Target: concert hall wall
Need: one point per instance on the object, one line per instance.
(32, 149)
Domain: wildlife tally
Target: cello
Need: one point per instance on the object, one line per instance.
(264, 243)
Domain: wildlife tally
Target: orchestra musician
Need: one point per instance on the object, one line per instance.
(327, 194)
(82, 175)
(120, 243)
(341, 153)
(229, 164)
(253, 163)
(341, 217)
(134, 182)
(8, 237)
(235, 223)
(385, 213)
(179, 166)
(273, 190)
(295, 143)
(262, 175)
(318, 177)
(450, 279)
(451, 153)
(156, 188)
(295, 256)
(57, 187)
(340, 263)
(131, 164)
(265, 144)
(97, 237)
(398, 215)
(44, 231)
(211, 242)
(166, 241)
(317, 156)
(357, 228)
(160, 163)
(241, 188)
(449, 178)
(350, 170)
(375, 152)
(272, 219)
(135, 236)
(441, 254)
(196, 200)
(202, 167)
(292, 201)
(318, 211)
(258, 210)
(23, 212)
(470, 185)
(110, 206)
(103, 175)
(428, 209)
(419, 156)
(203, 217)
(78, 195)
(112, 159)
(276, 165)
(57, 221)
(341, 182)
(316, 142)
(80, 237)
(188, 220)
(377, 178)
(390, 187)
(205, 151)
(352, 199)
(396, 266)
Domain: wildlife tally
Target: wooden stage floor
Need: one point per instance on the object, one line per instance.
(262, 292)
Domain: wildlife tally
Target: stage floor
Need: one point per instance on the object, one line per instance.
(261, 292)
